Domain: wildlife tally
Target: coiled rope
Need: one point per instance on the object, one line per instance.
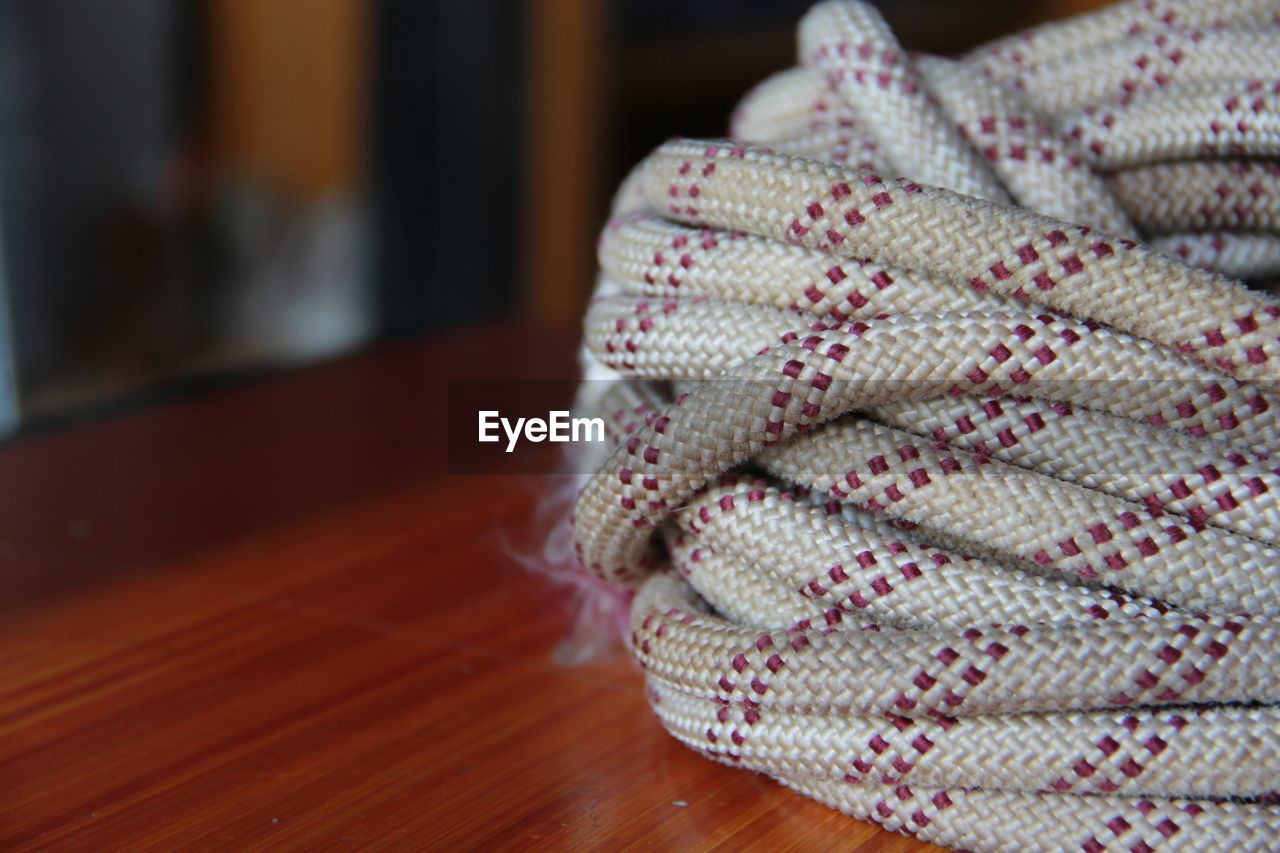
(951, 499)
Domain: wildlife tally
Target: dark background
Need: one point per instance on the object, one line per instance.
(196, 191)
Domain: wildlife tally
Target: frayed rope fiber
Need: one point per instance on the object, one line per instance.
(950, 500)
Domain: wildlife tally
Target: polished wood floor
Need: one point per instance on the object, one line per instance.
(270, 618)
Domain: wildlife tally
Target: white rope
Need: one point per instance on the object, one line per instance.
(952, 499)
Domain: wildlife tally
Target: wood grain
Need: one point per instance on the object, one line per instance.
(269, 618)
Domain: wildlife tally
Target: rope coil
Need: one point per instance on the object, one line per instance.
(951, 500)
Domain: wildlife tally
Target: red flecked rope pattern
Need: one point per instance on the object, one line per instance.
(956, 514)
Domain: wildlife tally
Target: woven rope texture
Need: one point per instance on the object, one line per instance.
(945, 430)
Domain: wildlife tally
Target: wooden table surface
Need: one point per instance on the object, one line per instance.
(268, 617)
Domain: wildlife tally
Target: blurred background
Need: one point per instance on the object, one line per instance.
(196, 191)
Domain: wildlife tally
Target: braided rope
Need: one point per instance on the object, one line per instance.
(951, 501)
